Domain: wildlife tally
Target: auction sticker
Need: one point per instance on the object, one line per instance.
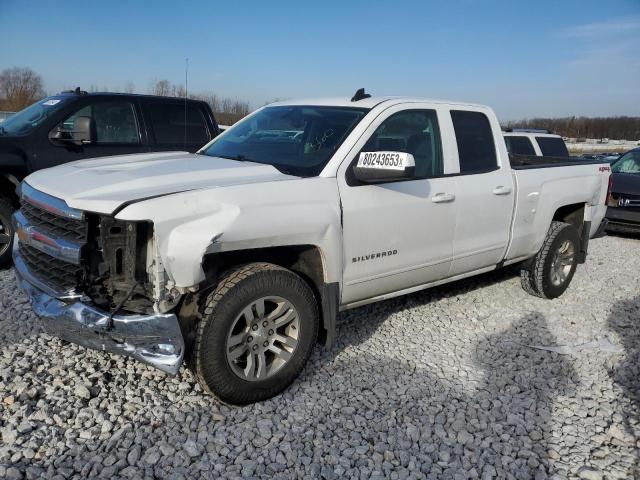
(51, 102)
(385, 160)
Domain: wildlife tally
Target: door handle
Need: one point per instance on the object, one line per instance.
(443, 197)
(500, 190)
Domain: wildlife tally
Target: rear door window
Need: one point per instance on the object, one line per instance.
(173, 124)
(519, 145)
(552, 146)
(476, 149)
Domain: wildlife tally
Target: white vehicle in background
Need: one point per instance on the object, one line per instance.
(522, 141)
(240, 256)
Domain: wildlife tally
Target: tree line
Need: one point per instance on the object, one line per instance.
(20, 87)
(615, 128)
(227, 110)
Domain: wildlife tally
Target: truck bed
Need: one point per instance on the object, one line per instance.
(542, 191)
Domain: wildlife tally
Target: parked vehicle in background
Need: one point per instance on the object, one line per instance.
(534, 142)
(76, 125)
(243, 254)
(623, 201)
(607, 157)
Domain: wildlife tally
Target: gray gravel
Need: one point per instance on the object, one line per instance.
(439, 384)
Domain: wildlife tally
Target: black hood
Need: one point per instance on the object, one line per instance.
(626, 183)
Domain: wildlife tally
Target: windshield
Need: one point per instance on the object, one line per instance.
(296, 140)
(628, 163)
(26, 120)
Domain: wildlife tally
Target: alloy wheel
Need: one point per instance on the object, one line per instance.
(562, 263)
(263, 338)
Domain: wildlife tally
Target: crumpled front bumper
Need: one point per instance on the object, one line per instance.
(154, 339)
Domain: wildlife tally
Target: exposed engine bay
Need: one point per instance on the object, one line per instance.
(122, 268)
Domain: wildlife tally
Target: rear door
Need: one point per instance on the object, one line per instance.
(485, 195)
(174, 125)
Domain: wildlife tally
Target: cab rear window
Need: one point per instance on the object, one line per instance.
(552, 146)
(519, 145)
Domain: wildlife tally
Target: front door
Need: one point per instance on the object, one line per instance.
(116, 132)
(400, 234)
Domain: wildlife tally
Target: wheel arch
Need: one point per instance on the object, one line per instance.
(572, 214)
(576, 214)
(308, 261)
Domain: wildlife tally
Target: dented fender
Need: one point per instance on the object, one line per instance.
(190, 225)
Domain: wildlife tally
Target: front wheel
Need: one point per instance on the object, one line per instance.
(6, 231)
(549, 273)
(257, 331)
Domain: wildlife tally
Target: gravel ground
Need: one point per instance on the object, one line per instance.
(440, 384)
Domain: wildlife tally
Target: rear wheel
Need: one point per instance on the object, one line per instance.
(549, 273)
(6, 231)
(257, 331)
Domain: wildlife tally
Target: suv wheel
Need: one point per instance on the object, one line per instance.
(257, 331)
(549, 273)
(6, 231)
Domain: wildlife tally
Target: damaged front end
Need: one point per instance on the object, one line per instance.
(97, 281)
(124, 268)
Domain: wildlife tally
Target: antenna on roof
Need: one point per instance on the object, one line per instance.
(360, 95)
(186, 94)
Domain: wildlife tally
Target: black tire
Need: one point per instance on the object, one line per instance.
(526, 280)
(6, 229)
(536, 274)
(236, 290)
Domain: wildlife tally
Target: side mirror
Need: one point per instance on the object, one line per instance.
(378, 167)
(83, 130)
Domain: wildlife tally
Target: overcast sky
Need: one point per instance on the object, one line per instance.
(525, 59)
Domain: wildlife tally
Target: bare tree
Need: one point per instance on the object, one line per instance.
(162, 88)
(619, 128)
(20, 87)
(227, 110)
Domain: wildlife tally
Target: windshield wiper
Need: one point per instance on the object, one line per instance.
(238, 158)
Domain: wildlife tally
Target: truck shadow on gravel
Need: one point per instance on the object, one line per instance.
(624, 319)
(366, 320)
(493, 415)
(501, 424)
(488, 406)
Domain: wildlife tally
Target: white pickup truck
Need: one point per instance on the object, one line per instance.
(239, 257)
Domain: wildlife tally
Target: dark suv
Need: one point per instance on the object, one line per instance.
(623, 203)
(76, 125)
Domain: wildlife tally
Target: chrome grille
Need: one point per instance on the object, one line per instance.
(51, 236)
(57, 274)
(54, 225)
